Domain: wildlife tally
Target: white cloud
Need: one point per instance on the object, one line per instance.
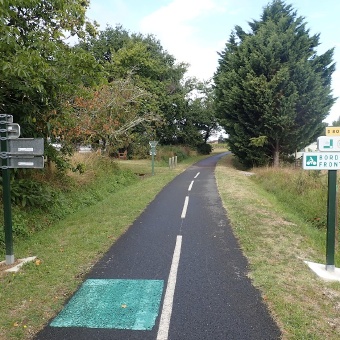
(175, 25)
(108, 12)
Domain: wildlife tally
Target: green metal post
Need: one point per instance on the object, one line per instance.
(331, 220)
(153, 162)
(153, 144)
(6, 190)
(7, 216)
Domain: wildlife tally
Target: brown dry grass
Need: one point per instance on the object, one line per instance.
(90, 161)
(276, 243)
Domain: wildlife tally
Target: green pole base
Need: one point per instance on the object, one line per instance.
(330, 267)
(9, 259)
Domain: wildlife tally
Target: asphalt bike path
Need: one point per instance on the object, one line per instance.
(178, 273)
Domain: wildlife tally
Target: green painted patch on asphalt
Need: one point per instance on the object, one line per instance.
(119, 304)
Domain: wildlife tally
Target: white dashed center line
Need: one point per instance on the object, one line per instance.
(164, 322)
(185, 207)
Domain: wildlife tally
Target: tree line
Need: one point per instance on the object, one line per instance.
(117, 89)
(112, 89)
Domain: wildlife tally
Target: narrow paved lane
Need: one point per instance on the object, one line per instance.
(177, 273)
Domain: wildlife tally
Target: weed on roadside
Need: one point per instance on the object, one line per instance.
(276, 237)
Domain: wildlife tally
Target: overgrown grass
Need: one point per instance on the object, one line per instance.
(102, 210)
(220, 146)
(167, 151)
(304, 192)
(275, 237)
(61, 195)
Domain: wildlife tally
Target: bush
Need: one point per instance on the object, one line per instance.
(164, 152)
(26, 192)
(204, 149)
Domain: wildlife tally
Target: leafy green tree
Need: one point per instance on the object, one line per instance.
(106, 113)
(202, 107)
(336, 122)
(272, 89)
(178, 127)
(151, 68)
(221, 139)
(143, 59)
(39, 70)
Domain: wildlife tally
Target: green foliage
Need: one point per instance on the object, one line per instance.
(140, 148)
(28, 193)
(303, 192)
(202, 109)
(204, 149)
(155, 71)
(20, 224)
(336, 122)
(37, 204)
(164, 152)
(271, 83)
(49, 86)
(39, 71)
(181, 154)
(190, 115)
(258, 141)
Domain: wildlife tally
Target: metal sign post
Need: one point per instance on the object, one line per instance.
(328, 158)
(331, 220)
(153, 153)
(6, 189)
(15, 153)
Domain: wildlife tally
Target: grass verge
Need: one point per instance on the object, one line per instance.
(67, 250)
(276, 241)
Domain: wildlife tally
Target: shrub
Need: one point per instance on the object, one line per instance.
(164, 152)
(204, 149)
(26, 192)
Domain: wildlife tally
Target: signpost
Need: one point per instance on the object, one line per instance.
(331, 220)
(327, 159)
(6, 190)
(15, 153)
(153, 153)
(26, 162)
(321, 161)
(26, 146)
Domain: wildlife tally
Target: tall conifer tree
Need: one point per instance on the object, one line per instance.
(272, 89)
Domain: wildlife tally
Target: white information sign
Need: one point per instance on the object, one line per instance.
(13, 130)
(326, 143)
(321, 161)
(33, 162)
(26, 146)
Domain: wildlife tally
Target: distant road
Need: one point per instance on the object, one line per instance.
(177, 273)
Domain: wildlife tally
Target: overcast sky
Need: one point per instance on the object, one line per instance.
(195, 30)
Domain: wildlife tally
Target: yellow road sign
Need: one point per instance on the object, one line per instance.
(333, 131)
